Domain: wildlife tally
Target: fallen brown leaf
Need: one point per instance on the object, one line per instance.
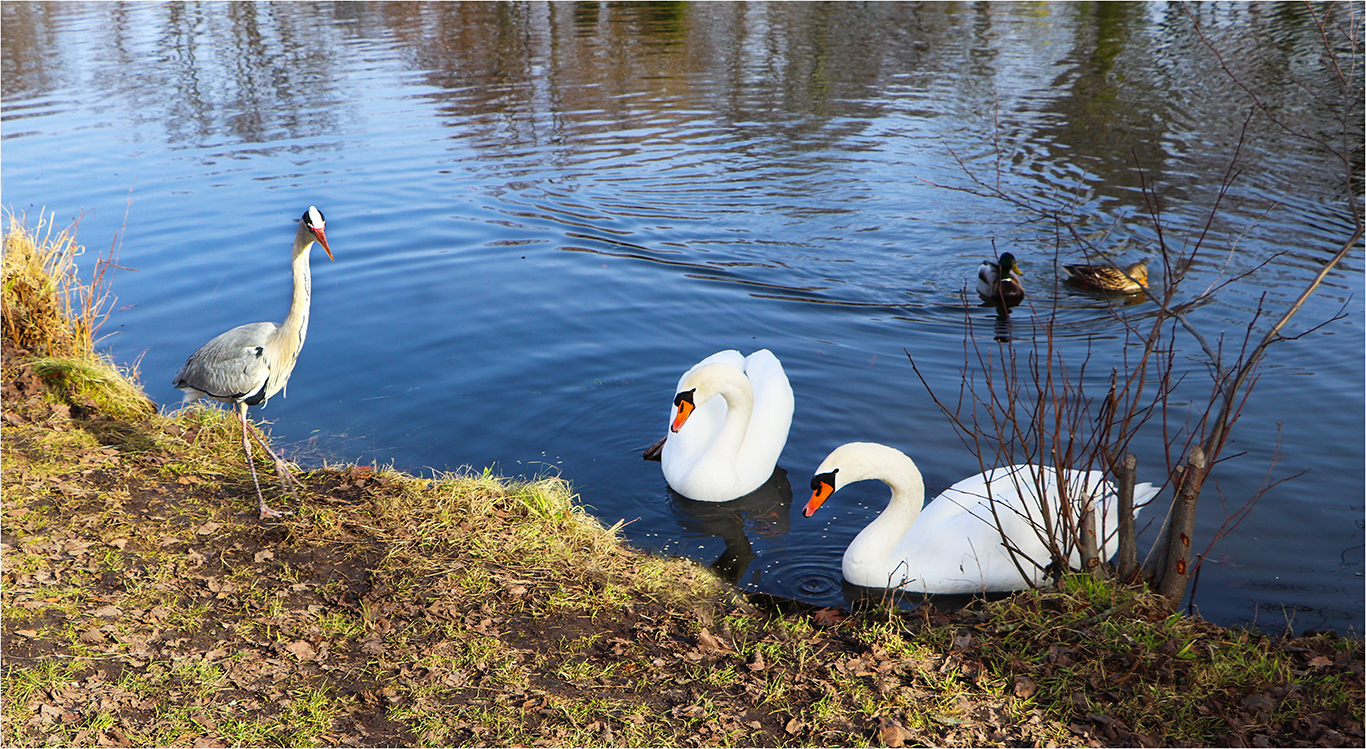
(1258, 703)
(302, 650)
(891, 732)
(711, 642)
(691, 711)
(828, 617)
(372, 645)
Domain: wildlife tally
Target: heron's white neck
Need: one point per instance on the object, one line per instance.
(295, 325)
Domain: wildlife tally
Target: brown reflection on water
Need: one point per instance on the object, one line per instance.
(1119, 82)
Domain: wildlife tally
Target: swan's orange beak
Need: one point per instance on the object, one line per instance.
(822, 486)
(685, 408)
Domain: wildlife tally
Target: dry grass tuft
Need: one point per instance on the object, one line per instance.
(47, 309)
(49, 312)
(33, 309)
(1089, 648)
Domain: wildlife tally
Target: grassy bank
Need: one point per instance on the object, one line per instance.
(143, 603)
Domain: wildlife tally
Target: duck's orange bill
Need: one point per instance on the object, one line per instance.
(685, 408)
(821, 489)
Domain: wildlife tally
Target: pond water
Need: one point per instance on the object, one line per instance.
(542, 214)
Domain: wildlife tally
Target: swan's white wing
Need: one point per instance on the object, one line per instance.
(960, 555)
(773, 406)
(955, 546)
(958, 544)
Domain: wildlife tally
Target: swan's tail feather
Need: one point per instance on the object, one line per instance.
(655, 452)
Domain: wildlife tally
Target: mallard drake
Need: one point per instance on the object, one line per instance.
(999, 283)
(1109, 277)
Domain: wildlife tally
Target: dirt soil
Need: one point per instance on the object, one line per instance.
(253, 621)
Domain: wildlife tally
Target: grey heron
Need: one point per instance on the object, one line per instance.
(248, 364)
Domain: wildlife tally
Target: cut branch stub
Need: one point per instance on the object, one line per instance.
(1176, 574)
(1126, 472)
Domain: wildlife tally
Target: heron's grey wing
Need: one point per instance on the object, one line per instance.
(231, 367)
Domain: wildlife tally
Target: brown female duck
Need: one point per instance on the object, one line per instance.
(1109, 277)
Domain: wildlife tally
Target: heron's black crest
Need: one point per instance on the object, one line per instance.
(313, 217)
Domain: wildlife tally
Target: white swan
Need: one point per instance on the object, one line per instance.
(722, 448)
(953, 546)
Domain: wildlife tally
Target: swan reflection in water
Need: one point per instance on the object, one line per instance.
(763, 513)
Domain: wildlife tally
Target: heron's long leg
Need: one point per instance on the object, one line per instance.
(287, 479)
(266, 512)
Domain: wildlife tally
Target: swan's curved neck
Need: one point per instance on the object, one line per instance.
(739, 396)
(874, 544)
